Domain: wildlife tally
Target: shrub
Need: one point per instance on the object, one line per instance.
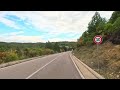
(2, 56)
(11, 56)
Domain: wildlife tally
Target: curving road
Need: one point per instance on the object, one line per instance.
(55, 66)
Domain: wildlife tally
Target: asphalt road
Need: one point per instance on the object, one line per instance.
(55, 66)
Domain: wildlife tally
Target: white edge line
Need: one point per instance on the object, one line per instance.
(97, 75)
(77, 68)
(41, 68)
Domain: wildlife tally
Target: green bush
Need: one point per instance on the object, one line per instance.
(40, 51)
(116, 25)
(47, 51)
(11, 56)
(32, 53)
(107, 29)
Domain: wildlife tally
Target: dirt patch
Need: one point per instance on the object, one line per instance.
(107, 58)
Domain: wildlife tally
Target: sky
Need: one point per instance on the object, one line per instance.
(43, 26)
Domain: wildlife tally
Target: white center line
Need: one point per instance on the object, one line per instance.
(41, 68)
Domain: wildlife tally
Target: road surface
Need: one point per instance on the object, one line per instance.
(55, 66)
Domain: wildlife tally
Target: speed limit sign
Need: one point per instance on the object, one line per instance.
(97, 39)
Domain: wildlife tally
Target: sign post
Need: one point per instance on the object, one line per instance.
(97, 40)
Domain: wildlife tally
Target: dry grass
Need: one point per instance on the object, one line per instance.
(108, 57)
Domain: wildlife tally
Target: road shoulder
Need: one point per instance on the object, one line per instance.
(18, 61)
(86, 71)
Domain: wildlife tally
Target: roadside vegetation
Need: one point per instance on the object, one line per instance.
(18, 51)
(108, 55)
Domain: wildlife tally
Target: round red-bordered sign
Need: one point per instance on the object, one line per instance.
(97, 39)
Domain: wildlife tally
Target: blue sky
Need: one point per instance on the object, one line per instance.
(41, 26)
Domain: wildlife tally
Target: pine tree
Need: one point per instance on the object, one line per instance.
(56, 47)
(114, 16)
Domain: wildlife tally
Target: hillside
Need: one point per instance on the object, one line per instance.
(108, 56)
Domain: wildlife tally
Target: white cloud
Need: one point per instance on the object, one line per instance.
(18, 37)
(22, 38)
(106, 14)
(58, 22)
(12, 33)
(59, 39)
(16, 33)
(7, 22)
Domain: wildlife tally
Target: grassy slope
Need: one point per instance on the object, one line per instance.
(108, 57)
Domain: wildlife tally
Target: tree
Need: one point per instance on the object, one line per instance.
(64, 48)
(95, 27)
(100, 27)
(49, 45)
(114, 16)
(107, 28)
(20, 52)
(80, 40)
(115, 38)
(116, 25)
(96, 19)
(27, 52)
(56, 47)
